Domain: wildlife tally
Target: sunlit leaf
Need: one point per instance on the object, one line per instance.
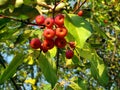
(74, 86)
(48, 68)
(46, 86)
(98, 68)
(79, 28)
(53, 52)
(30, 81)
(117, 28)
(29, 60)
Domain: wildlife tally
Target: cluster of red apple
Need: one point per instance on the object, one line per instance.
(54, 35)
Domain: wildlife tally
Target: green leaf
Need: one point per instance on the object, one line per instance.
(85, 51)
(4, 21)
(29, 2)
(7, 34)
(58, 86)
(74, 86)
(82, 83)
(53, 52)
(48, 68)
(99, 70)
(79, 28)
(117, 28)
(97, 28)
(46, 87)
(12, 67)
(23, 10)
(6, 3)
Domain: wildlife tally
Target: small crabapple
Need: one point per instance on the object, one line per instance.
(44, 48)
(35, 43)
(80, 13)
(69, 54)
(48, 43)
(40, 19)
(59, 20)
(60, 42)
(61, 32)
(49, 33)
(49, 22)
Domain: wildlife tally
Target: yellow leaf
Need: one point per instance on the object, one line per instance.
(30, 81)
(34, 87)
(29, 60)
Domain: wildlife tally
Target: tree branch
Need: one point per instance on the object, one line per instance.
(23, 21)
(53, 10)
(79, 6)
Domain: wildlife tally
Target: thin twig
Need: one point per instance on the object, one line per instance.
(53, 10)
(13, 81)
(79, 6)
(23, 21)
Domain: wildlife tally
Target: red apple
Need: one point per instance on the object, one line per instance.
(40, 19)
(48, 44)
(69, 54)
(49, 33)
(59, 20)
(80, 13)
(60, 42)
(35, 43)
(49, 22)
(61, 32)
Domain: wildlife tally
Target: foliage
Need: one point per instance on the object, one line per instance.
(96, 61)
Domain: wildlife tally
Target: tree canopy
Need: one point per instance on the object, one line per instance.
(95, 64)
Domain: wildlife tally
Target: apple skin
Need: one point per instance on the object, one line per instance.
(48, 44)
(80, 13)
(35, 43)
(59, 20)
(69, 54)
(40, 19)
(49, 33)
(61, 32)
(60, 42)
(49, 22)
